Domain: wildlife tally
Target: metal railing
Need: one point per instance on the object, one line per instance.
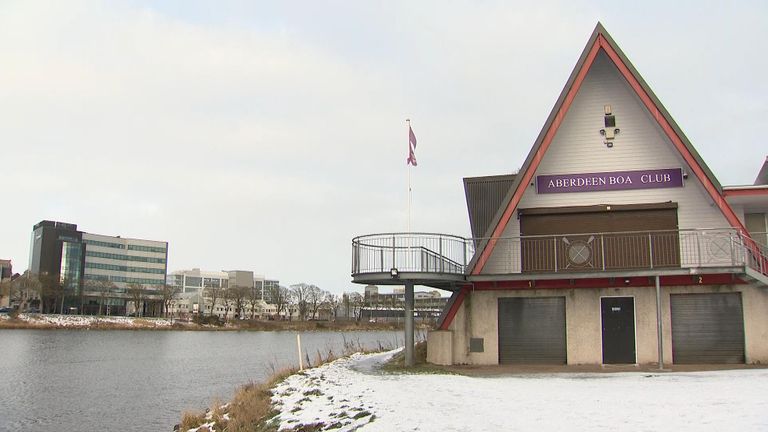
(410, 252)
(562, 253)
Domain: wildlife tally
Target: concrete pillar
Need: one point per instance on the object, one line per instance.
(409, 357)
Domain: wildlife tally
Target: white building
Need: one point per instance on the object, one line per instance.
(124, 260)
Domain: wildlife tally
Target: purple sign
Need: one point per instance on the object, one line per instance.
(610, 181)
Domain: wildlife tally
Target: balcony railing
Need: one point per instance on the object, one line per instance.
(568, 253)
(410, 252)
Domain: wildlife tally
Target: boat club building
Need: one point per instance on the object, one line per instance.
(613, 244)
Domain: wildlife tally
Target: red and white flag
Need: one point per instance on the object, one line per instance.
(411, 147)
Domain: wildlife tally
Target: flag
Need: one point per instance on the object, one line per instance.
(411, 147)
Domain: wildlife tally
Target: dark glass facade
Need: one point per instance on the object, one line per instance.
(58, 254)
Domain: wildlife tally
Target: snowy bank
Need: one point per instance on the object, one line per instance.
(352, 393)
(81, 321)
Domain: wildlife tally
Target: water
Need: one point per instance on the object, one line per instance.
(79, 380)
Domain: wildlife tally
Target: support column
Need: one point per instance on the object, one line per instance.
(658, 324)
(409, 358)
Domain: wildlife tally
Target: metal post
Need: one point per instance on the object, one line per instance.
(658, 323)
(440, 252)
(409, 359)
(650, 248)
(554, 242)
(393, 252)
(602, 250)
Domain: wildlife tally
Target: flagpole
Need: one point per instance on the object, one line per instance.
(408, 226)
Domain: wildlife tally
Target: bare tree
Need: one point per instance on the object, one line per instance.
(280, 296)
(214, 293)
(50, 289)
(357, 301)
(333, 303)
(254, 298)
(315, 297)
(101, 287)
(24, 290)
(227, 299)
(238, 295)
(168, 293)
(300, 294)
(136, 292)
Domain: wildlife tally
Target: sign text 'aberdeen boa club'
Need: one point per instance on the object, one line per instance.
(610, 181)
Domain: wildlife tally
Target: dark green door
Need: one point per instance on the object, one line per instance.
(618, 322)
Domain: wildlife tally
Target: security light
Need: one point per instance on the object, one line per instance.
(394, 273)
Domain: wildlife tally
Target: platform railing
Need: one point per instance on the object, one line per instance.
(562, 253)
(410, 252)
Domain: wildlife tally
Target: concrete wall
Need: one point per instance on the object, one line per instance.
(478, 318)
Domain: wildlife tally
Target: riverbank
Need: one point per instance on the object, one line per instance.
(53, 321)
(358, 393)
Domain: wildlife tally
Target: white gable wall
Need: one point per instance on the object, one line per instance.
(578, 148)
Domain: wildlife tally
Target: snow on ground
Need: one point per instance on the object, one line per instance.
(80, 321)
(352, 393)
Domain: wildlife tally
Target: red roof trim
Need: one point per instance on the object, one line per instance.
(602, 43)
(719, 200)
(745, 192)
(454, 309)
(528, 175)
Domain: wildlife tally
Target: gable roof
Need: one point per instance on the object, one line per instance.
(762, 176)
(599, 41)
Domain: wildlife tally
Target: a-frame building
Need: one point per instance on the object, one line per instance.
(614, 243)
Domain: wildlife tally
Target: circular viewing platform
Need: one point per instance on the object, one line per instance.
(437, 260)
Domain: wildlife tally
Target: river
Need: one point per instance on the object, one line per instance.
(81, 380)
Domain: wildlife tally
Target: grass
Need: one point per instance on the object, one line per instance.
(249, 411)
(397, 362)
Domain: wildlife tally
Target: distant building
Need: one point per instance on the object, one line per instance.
(192, 281)
(391, 306)
(6, 271)
(95, 270)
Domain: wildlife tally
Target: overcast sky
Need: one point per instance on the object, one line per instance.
(265, 135)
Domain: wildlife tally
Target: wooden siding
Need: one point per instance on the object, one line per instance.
(578, 148)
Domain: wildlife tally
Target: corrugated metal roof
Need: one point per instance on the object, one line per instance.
(762, 176)
(484, 197)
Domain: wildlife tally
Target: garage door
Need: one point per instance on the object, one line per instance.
(532, 330)
(557, 245)
(707, 328)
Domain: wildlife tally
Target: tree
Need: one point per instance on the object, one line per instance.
(24, 290)
(214, 293)
(280, 297)
(315, 297)
(357, 301)
(334, 303)
(168, 293)
(238, 295)
(102, 287)
(299, 295)
(227, 298)
(136, 292)
(254, 297)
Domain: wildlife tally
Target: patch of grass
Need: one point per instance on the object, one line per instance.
(361, 414)
(397, 363)
(251, 408)
(191, 420)
(315, 392)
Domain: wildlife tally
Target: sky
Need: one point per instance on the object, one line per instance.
(264, 136)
